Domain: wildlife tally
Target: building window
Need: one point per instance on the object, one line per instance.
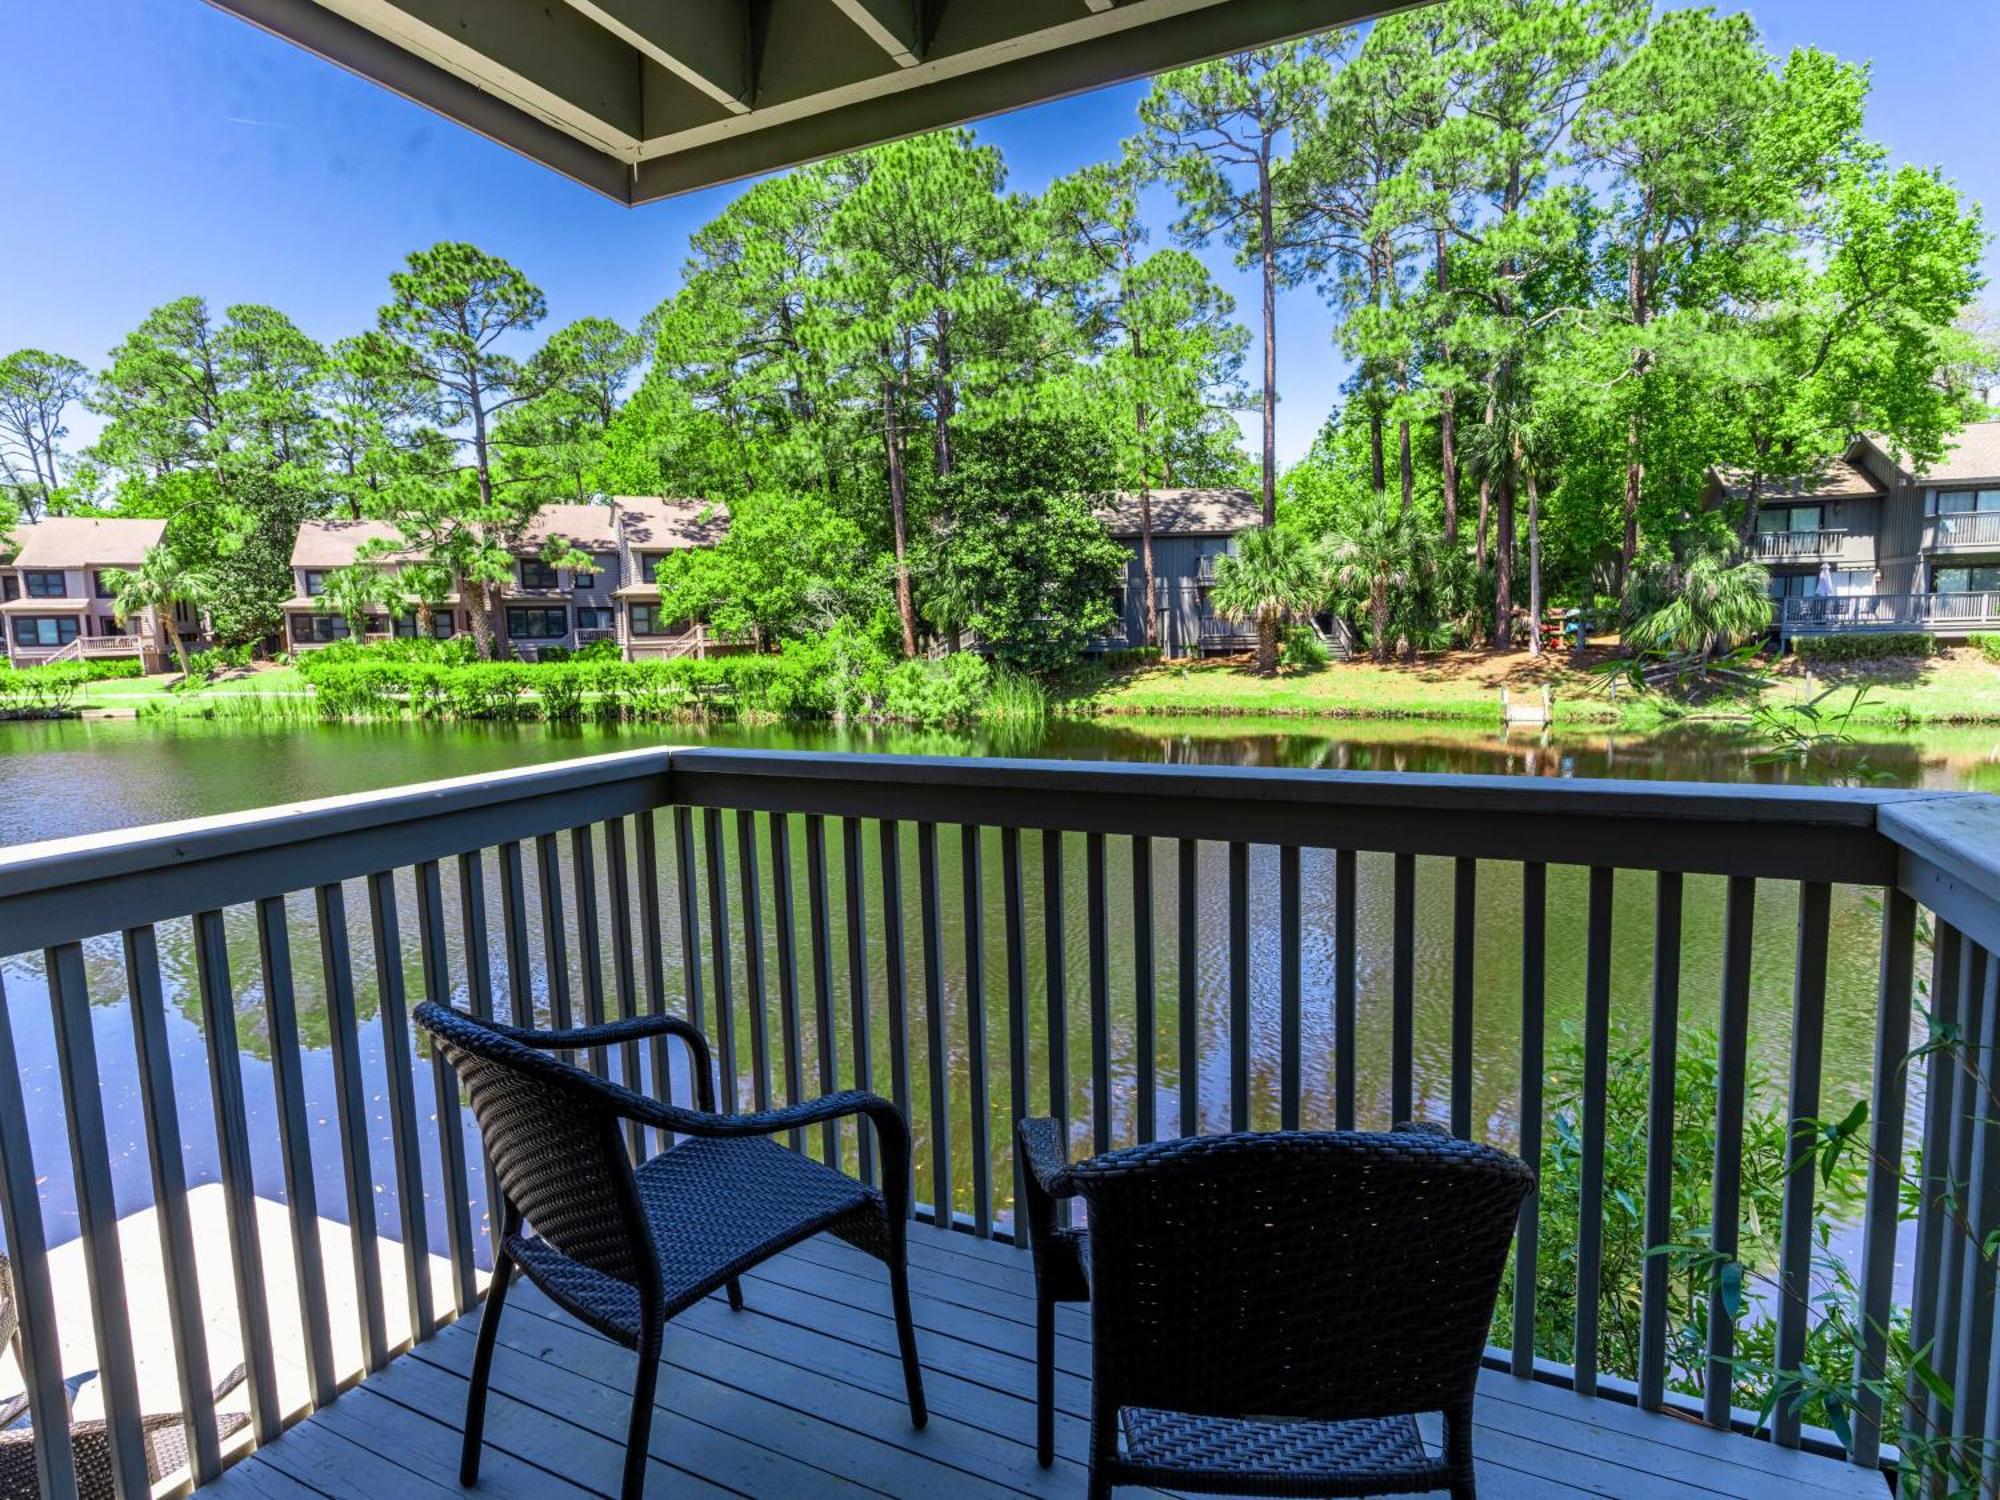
(537, 624)
(101, 584)
(649, 566)
(1794, 585)
(1980, 580)
(10, 587)
(406, 626)
(591, 618)
(315, 581)
(43, 584)
(1775, 519)
(45, 630)
(587, 578)
(318, 628)
(1960, 502)
(647, 619)
(536, 574)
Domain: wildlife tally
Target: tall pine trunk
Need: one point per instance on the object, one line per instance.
(1267, 227)
(1635, 470)
(1503, 567)
(1447, 408)
(892, 443)
(1534, 562)
(1151, 633)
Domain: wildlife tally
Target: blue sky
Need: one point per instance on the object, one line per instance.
(155, 148)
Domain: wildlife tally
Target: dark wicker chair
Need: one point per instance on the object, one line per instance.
(624, 1250)
(1270, 1312)
(164, 1433)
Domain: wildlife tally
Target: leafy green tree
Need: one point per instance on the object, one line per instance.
(443, 329)
(1274, 576)
(162, 581)
(1706, 607)
(555, 443)
(351, 592)
(790, 566)
(1218, 131)
(1018, 556)
(37, 389)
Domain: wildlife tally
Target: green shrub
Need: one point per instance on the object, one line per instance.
(945, 694)
(598, 651)
(1882, 647)
(1989, 646)
(42, 691)
(1131, 656)
(1303, 648)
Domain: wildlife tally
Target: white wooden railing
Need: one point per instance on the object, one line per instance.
(605, 886)
(1963, 531)
(1800, 546)
(1879, 612)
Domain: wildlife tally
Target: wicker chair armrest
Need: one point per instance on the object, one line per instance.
(1045, 1154)
(1421, 1127)
(13, 1411)
(633, 1029)
(229, 1382)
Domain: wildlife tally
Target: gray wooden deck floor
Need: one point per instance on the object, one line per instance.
(801, 1394)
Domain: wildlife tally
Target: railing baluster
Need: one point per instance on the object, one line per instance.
(1094, 897)
(1982, 1211)
(152, 1048)
(1055, 946)
(281, 1024)
(1144, 1022)
(239, 1183)
(1534, 993)
(1291, 1065)
(1960, 1106)
(1887, 1113)
(514, 936)
(1732, 1060)
(753, 958)
(1796, 1237)
(1403, 991)
(1016, 921)
(1590, 1187)
(653, 951)
(1239, 986)
(890, 841)
(726, 1093)
(1464, 977)
(352, 1109)
(1664, 1065)
(394, 1016)
(1933, 1182)
(432, 953)
(1345, 1028)
(778, 826)
(97, 1217)
(479, 994)
(972, 892)
(555, 936)
(589, 941)
(853, 880)
(690, 904)
(820, 925)
(624, 971)
(1188, 980)
(931, 910)
(40, 1349)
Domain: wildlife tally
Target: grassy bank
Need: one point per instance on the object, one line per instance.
(1957, 687)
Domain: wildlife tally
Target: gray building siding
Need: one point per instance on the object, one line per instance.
(1185, 614)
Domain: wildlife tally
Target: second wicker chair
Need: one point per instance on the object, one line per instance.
(625, 1249)
(1271, 1312)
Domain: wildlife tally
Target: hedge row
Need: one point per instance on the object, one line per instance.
(1838, 648)
(1989, 646)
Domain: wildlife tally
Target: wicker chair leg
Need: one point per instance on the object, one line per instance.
(1458, 1454)
(1045, 1378)
(482, 1367)
(906, 1337)
(735, 1290)
(639, 1434)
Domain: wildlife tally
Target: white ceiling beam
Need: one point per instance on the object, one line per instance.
(706, 43)
(893, 25)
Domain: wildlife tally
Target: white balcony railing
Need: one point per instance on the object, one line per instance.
(1800, 546)
(1840, 612)
(111, 645)
(1965, 531)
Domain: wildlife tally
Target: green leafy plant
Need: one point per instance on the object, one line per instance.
(1887, 646)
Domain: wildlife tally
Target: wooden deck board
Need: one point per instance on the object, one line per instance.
(802, 1393)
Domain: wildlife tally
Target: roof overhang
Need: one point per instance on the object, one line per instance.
(643, 99)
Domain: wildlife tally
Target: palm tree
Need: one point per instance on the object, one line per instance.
(1710, 605)
(1272, 577)
(1377, 563)
(427, 585)
(351, 592)
(160, 582)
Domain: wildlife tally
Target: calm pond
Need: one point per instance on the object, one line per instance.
(63, 778)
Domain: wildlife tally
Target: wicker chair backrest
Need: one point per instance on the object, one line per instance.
(553, 1135)
(1305, 1275)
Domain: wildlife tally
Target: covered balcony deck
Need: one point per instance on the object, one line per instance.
(243, 983)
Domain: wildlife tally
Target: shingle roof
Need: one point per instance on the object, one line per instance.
(654, 523)
(1973, 455)
(592, 528)
(86, 541)
(1839, 480)
(1220, 512)
(333, 544)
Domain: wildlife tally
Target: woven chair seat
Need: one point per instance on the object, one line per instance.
(716, 1207)
(1271, 1456)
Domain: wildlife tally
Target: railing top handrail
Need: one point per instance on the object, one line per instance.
(1950, 858)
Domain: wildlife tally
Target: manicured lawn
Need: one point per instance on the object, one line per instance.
(130, 692)
(1961, 686)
